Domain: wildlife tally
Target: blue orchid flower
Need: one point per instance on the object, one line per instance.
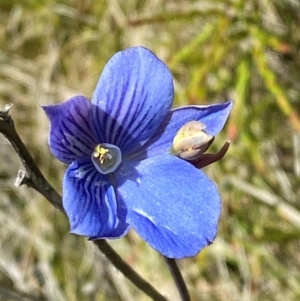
(121, 173)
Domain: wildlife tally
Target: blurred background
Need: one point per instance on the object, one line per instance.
(247, 51)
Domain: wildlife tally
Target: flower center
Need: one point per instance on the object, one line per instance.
(106, 158)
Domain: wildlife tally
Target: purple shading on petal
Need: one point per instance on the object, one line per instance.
(134, 95)
(70, 133)
(90, 202)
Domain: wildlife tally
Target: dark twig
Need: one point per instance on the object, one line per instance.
(178, 279)
(37, 181)
(123, 267)
(35, 178)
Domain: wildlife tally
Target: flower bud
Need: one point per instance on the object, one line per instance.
(191, 141)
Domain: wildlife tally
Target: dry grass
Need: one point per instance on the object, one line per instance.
(243, 50)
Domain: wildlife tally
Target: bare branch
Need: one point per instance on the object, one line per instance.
(37, 180)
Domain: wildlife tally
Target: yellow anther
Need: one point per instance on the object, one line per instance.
(106, 158)
(102, 150)
(101, 153)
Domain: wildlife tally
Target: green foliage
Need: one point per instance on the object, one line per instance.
(247, 51)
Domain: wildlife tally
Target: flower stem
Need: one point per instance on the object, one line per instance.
(127, 271)
(178, 279)
(37, 181)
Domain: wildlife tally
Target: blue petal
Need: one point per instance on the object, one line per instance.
(213, 116)
(70, 133)
(172, 205)
(133, 96)
(90, 203)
